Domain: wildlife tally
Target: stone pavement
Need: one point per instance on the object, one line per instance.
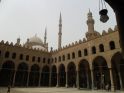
(53, 90)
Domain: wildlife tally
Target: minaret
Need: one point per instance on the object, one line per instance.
(45, 36)
(90, 22)
(91, 34)
(60, 33)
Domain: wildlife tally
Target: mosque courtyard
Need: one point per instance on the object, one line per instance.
(52, 90)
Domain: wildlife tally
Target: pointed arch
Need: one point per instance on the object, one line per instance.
(34, 75)
(71, 70)
(63, 58)
(62, 75)
(84, 74)
(59, 58)
(21, 74)
(112, 45)
(85, 52)
(7, 54)
(45, 76)
(7, 73)
(79, 53)
(101, 73)
(93, 50)
(73, 55)
(101, 48)
(54, 76)
(117, 63)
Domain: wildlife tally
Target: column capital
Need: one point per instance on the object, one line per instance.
(110, 68)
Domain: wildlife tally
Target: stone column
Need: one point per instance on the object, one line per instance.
(77, 81)
(87, 80)
(111, 78)
(39, 79)
(92, 79)
(121, 85)
(13, 83)
(28, 79)
(120, 21)
(50, 78)
(57, 85)
(66, 85)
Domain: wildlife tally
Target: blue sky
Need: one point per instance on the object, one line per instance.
(25, 18)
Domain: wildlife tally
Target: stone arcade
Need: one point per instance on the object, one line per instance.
(90, 63)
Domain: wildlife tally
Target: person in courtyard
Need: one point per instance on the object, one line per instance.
(108, 86)
(8, 91)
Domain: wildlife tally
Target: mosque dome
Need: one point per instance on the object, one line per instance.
(35, 42)
(35, 39)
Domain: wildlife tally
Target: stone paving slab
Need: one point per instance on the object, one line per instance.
(53, 90)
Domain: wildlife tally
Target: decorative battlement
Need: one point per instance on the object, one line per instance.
(110, 30)
(84, 40)
(21, 46)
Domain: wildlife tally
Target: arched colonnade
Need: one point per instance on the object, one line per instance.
(66, 76)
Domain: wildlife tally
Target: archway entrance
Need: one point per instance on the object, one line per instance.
(21, 75)
(34, 75)
(71, 70)
(84, 74)
(100, 73)
(54, 76)
(45, 76)
(7, 73)
(118, 70)
(62, 76)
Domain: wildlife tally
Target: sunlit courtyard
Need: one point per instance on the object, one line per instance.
(52, 90)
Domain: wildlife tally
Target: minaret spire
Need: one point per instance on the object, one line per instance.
(45, 35)
(60, 32)
(90, 22)
(91, 34)
(60, 19)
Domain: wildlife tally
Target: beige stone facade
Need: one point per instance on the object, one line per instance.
(91, 63)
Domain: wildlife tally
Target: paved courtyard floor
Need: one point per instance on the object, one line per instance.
(53, 90)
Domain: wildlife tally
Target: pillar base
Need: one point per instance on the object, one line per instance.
(66, 86)
(112, 88)
(78, 87)
(57, 85)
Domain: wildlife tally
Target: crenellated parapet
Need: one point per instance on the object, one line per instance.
(11, 44)
(104, 33)
(70, 45)
(84, 40)
(110, 30)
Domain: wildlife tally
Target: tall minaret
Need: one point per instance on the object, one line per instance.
(60, 32)
(90, 22)
(45, 36)
(91, 34)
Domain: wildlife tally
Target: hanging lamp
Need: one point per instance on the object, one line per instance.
(103, 11)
